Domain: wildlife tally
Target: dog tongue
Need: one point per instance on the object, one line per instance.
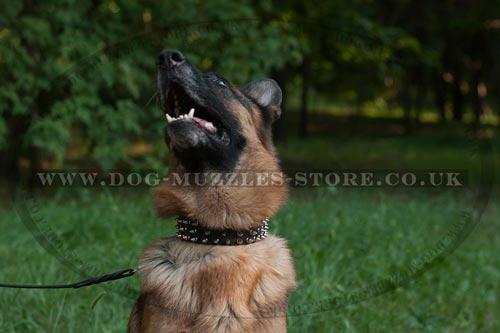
(205, 124)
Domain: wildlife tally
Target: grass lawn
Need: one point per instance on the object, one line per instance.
(343, 239)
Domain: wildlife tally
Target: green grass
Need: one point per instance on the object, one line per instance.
(419, 151)
(342, 239)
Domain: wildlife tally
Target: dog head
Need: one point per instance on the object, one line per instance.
(209, 119)
(214, 126)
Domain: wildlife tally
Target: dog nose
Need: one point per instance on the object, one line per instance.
(171, 58)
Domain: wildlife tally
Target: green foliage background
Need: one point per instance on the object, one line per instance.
(81, 74)
(85, 70)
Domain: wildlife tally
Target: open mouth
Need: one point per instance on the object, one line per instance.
(182, 108)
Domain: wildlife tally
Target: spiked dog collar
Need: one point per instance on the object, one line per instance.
(191, 231)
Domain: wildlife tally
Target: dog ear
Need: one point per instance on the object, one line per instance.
(267, 94)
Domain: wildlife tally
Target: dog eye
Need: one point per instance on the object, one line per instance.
(220, 82)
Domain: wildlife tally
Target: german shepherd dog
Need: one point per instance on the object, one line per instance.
(223, 272)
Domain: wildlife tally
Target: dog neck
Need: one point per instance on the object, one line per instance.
(191, 231)
(220, 207)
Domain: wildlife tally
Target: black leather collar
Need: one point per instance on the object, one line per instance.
(191, 231)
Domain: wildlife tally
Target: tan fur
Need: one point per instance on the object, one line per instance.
(187, 287)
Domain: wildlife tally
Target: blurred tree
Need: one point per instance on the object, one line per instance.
(344, 50)
(63, 77)
(456, 51)
(80, 73)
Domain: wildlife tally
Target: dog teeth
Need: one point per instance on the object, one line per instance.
(182, 116)
(209, 126)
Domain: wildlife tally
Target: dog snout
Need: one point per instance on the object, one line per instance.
(170, 58)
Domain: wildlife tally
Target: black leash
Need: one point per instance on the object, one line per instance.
(125, 273)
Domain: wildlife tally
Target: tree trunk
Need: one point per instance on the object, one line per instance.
(35, 164)
(306, 71)
(419, 95)
(279, 127)
(440, 96)
(442, 90)
(476, 100)
(405, 100)
(458, 98)
(9, 158)
(9, 168)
